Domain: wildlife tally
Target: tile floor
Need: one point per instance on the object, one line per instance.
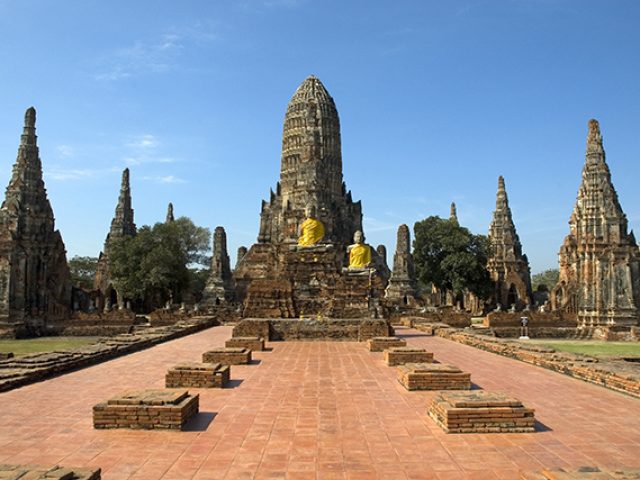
(316, 410)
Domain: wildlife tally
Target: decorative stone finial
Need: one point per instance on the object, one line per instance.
(594, 130)
(595, 149)
(125, 179)
(501, 183)
(30, 117)
(29, 131)
(170, 217)
(453, 214)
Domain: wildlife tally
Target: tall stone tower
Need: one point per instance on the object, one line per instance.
(599, 260)
(453, 213)
(219, 286)
(402, 284)
(35, 286)
(508, 267)
(310, 172)
(122, 225)
(279, 278)
(169, 218)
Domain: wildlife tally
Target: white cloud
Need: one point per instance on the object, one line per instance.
(65, 151)
(372, 224)
(139, 160)
(70, 174)
(166, 179)
(143, 142)
(155, 56)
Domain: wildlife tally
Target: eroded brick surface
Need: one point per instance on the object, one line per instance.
(146, 409)
(227, 356)
(198, 375)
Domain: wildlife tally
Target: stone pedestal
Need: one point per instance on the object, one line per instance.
(33, 472)
(198, 375)
(378, 344)
(255, 344)
(227, 356)
(401, 355)
(148, 409)
(480, 412)
(433, 376)
(582, 473)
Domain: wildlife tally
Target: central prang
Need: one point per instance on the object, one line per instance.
(311, 259)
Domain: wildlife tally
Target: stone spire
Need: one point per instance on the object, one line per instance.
(402, 284)
(170, 217)
(599, 264)
(122, 225)
(219, 286)
(382, 253)
(34, 275)
(453, 214)
(310, 172)
(508, 267)
(242, 251)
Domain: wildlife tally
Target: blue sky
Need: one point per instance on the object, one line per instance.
(436, 99)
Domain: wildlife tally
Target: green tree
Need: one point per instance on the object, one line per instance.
(547, 279)
(83, 271)
(451, 257)
(155, 265)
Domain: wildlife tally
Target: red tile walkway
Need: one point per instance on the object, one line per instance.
(316, 410)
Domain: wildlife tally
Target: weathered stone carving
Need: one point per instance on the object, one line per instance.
(359, 252)
(312, 230)
(508, 267)
(35, 286)
(599, 264)
(278, 277)
(122, 225)
(219, 286)
(402, 284)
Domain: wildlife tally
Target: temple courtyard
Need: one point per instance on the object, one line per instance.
(316, 410)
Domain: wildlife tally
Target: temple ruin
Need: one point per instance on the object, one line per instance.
(311, 258)
(599, 264)
(219, 287)
(507, 265)
(122, 226)
(35, 286)
(402, 286)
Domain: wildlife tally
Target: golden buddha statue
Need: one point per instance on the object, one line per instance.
(359, 252)
(311, 230)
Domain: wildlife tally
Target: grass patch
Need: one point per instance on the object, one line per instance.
(593, 348)
(44, 344)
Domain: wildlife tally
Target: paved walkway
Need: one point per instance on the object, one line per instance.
(316, 410)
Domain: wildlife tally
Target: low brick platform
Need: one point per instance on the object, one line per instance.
(227, 356)
(582, 473)
(146, 409)
(255, 344)
(378, 344)
(433, 376)
(480, 412)
(198, 375)
(401, 355)
(32, 472)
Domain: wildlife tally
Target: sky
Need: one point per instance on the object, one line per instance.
(436, 100)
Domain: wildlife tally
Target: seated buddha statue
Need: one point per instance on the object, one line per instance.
(359, 252)
(311, 230)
